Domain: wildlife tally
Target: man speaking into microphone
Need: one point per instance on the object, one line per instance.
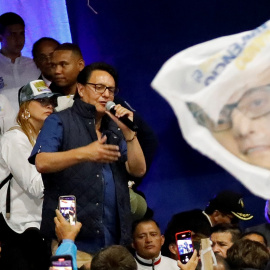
(86, 151)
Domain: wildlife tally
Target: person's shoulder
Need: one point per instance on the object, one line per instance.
(26, 59)
(169, 262)
(29, 62)
(64, 102)
(63, 112)
(13, 134)
(29, 67)
(54, 117)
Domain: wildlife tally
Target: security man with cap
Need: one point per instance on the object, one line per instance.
(225, 207)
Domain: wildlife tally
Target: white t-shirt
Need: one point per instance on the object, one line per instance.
(26, 189)
(160, 263)
(15, 75)
(7, 115)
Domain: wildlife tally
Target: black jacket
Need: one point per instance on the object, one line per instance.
(85, 180)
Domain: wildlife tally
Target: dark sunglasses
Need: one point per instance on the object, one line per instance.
(47, 101)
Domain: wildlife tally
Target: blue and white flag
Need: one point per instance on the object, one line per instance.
(220, 93)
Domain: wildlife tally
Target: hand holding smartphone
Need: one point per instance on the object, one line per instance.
(184, 246)
(67, 207)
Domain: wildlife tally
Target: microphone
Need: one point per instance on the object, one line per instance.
(131, 125)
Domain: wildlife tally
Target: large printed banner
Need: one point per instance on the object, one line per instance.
(220, 93)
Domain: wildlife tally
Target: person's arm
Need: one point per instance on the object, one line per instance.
(66, 233)
(15, 149)
(63, 229)
(135, 164)
(48, 159)
(97, 151)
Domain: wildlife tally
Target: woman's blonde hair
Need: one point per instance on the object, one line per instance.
(23, 121)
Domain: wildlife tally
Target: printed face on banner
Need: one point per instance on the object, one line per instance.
(243, 125)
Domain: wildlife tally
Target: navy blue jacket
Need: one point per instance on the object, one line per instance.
(85, 180)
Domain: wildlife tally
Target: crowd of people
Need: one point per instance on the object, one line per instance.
(58, 138)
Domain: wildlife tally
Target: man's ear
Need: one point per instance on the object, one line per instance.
(173, 248)
(81, 64)
(80, 88)
(132, 244)
(216, 214)
(162, 240)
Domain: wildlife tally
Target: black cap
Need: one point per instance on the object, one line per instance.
(230, 202)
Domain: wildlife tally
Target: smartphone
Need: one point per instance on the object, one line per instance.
(184, 246)
(67, 207)
(62, 262)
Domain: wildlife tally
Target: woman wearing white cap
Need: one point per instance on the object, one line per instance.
(21, 195)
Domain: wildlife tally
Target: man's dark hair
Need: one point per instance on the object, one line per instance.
(85, 74)
(245, 253)
(142, 220)
(38, 42)
(9, 18)
(114, 258)
(227, 228)
(209, 210)
(254, 232)
(70, 47)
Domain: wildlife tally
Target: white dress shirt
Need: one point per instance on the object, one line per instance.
(7, 115)
(15, 75)
(26, 189)
(47, 82)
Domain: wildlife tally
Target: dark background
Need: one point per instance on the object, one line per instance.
(137, 37)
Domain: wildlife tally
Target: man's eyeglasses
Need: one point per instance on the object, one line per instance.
(101, 88)
(253, 104)
(47, 101)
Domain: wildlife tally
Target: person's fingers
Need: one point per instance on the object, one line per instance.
(59, 216)
(194, 255)
(78, 225)
(103, 139)
(56, 221)
(111, 147)
(191, 264)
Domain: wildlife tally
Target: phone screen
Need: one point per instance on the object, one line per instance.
(67, 207)
(184, 246)
(61, 262)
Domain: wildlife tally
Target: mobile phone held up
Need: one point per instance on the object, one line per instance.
(62, 262)
(67, 207)
(184, 246)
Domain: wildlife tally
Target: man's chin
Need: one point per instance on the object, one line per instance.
(60, 82)
(150, 255)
